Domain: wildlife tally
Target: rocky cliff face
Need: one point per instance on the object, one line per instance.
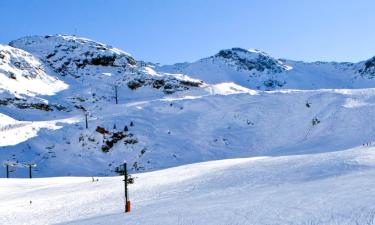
(367, 68)
(249, 60)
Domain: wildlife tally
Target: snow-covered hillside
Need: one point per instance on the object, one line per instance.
(174, 131)
(172, 115)
(326, 188)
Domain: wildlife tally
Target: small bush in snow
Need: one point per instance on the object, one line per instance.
(315, 121)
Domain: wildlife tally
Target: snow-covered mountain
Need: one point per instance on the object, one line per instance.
(257, 70)
(88, 61)
(215, 108)
(232, 65)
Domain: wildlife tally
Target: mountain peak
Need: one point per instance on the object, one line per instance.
(61, 39)
(252, 59)
(68, 54)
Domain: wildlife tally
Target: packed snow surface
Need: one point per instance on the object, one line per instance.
(324, 188)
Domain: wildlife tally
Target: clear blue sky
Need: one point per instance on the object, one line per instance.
(169, 31)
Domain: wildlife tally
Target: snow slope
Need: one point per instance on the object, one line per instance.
(22, 74)
(323, 188)
(175, 131)
(13, 132)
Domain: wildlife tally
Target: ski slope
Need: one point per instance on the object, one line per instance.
(322, 188)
